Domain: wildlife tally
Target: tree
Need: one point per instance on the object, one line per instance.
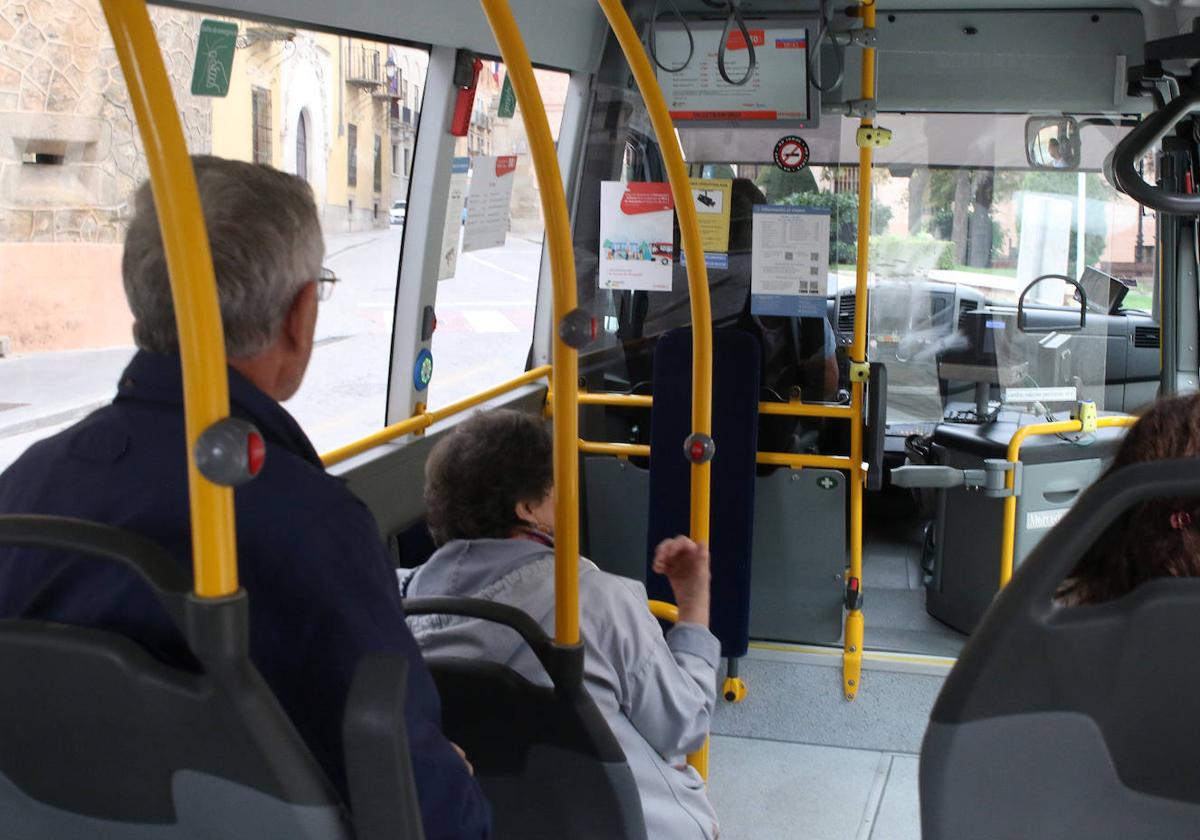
(918, 186)
(979, 250)
(776, 184)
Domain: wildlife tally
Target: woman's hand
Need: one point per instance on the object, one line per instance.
(686, 566)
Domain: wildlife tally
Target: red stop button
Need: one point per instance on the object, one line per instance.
(256, 452)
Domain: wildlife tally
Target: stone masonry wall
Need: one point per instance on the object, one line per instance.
(63, 97)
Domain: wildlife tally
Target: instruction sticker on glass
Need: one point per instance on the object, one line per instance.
(789, 264)
(488, 202)
(636, 236)
(711, 197)
(448, 260)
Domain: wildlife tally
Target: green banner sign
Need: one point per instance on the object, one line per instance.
(214, 58)
(508, 99)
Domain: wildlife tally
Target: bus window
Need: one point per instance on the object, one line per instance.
(340, 112)
(488, 288)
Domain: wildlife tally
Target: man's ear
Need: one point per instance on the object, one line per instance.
(300, 322)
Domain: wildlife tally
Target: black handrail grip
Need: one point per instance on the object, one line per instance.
(148, 560)
(1021, 317)
(1121, 166)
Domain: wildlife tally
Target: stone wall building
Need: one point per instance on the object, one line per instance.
(70, 158)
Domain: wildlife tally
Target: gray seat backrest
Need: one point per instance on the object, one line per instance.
(1062, 722)
(99, 739)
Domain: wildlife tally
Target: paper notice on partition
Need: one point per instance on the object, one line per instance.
(488, 202)
(789, 263)
(711, 197)
(636, 236)
(448, 259)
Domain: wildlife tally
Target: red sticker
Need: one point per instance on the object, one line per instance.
(737, 41)
(505, 164)
(791, 153)
(646, 197)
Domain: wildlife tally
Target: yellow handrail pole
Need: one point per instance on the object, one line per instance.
(852, 653)
(193, 286)
(1008, 534)
(565, 375)
(693, 249)
(424, 419)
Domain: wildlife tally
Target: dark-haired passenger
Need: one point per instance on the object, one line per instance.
(1159, 538)
(489, 489)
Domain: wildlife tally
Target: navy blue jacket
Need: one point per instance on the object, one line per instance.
(321, 585)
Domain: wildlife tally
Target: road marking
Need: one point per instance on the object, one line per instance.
(501, 269)
(489, 321)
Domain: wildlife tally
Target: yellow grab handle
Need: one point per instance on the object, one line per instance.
(1009, 531)
(565, 375)
(689, 231)
(193, 286)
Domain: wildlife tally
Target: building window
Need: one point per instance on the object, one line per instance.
(407, 162)
(352, 155)
(378, 163)
(302, 148)
(396, 170)
(260, 103)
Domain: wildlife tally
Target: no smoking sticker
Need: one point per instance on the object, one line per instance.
(791, 153)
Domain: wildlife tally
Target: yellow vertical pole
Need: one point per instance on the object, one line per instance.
(697, 273)
(852, 653)
(565, 374)
(689, 231)
(193, 286)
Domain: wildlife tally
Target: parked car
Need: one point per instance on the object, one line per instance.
(396, 213)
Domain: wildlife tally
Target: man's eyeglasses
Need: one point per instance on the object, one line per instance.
(326, 280)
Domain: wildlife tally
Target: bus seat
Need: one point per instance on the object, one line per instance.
(736, 364)
(545, 757)
(1067, 722)
(99, 739)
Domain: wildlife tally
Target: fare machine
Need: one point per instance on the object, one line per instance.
(1038, 376)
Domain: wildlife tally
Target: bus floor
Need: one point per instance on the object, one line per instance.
(894, 581)
(795, 760)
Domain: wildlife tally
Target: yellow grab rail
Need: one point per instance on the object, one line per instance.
(794, 408)
(689, 231)
(852, 651)
(423, 420)
(565, 375)
(1008, 535)
(193, 285)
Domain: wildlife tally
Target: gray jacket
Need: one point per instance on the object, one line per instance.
(656, 694)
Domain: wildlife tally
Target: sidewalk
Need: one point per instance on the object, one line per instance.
(41, 390)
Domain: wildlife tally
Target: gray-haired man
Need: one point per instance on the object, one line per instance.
(321, 587)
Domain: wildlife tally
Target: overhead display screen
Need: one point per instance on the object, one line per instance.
(778, 90)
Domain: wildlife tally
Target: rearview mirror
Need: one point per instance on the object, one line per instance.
(1052, 142)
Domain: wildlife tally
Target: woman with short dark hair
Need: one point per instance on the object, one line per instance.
(1159, 538)
(489, 490)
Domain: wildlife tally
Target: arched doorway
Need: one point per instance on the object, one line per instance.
(302, 147)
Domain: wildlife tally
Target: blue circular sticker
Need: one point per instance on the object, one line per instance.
(423, 370)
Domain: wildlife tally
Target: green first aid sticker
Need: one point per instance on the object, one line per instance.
(508, 100)
(214, 58)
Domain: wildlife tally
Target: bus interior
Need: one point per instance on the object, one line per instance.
(997, 198)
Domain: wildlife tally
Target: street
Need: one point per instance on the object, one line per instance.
(485, 322)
